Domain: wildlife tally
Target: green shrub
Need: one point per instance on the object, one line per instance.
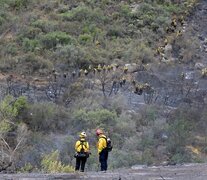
(8, 111)
(173, 8)
(20, 104)
(132, 143)
(95, 32)
(91, 29)
(30, 45)
(11, 49)
(125, 126)
(147, 157)
(101, 118)
(45, 26)
(179, 137)
(147, 142)
(115, 31)
(46, 117)
(125, 10)
(10, 108)
(138, 52)
(93, 119)
(2, 20)
(27, 168)
(80, 119)
(7, 65)
(145, 54)
(52, 39)
(51, 164)
(32, 63)
(181, 157)
(5, 127)
(85, 39)
(84, 13)
(119, 158)
(18, 4)
(28, 32)
(71, 55)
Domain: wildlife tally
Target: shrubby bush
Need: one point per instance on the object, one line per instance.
(28, 32)
(85, 39)
(93, 30)
(52, 39)
(125, 126)
(115, 32)
(93, 119)
(13, 131)
(84, 13)
(119, 158)
(18, 4)
(179, 137)
(52, 164)
(187, 51)
(30, 45)
(147, 156)
(145, 54)
(47, 117)
(11, 49)
(3, 16)
(26, 168)
(45, 26)
(138, 52)
(71, 55)
(132, 143)
(101, 118)
(32, 63)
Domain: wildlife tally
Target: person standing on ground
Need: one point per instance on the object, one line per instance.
(82, 152)
(102, 149)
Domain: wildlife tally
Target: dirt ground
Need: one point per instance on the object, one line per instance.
(178, 172)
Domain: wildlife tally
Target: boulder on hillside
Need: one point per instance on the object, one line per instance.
(199, 66)
(168, 51)
(133, 67)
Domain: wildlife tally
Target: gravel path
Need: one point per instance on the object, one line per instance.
(178, 172)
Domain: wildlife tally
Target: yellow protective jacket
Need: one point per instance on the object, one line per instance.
(82, 144)
(101, 142)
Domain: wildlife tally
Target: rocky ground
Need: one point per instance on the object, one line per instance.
(179, 172)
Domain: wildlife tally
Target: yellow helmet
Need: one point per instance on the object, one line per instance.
(82, 134)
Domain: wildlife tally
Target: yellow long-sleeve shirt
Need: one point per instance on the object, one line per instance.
(79, 146)
(101, 142)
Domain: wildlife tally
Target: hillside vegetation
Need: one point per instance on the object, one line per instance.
(73, 65)
(40, 35)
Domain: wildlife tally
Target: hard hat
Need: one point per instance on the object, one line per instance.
(99, 131)
(82, 134)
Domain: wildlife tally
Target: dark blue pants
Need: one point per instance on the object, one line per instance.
(80, 163)
(103, 157)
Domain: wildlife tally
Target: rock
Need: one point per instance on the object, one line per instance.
(164, 163)
(199, 66)
(205, 41)
(135, 7)
(132, 67)
(168, 50)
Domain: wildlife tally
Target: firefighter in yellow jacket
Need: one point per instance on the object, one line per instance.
(82, 152)
(102, 151)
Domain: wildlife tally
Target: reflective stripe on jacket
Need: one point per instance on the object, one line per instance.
(101, 143)
(79, 146)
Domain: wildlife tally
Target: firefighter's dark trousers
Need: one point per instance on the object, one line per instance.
(103, 157)
(80, 163)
